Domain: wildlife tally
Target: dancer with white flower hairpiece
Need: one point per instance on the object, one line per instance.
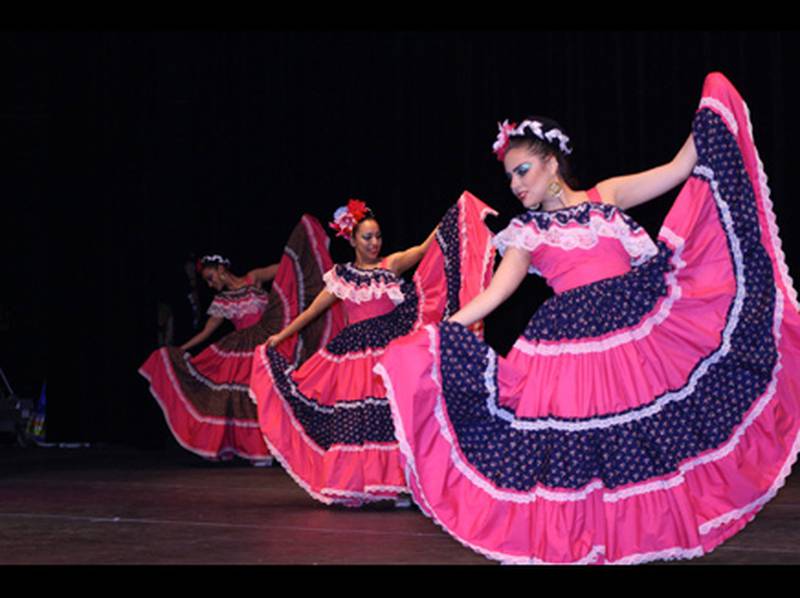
(652, 406)
(205, 398)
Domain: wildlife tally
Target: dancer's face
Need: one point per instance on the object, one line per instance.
(213, 277)
(528, 175)
(367, 241)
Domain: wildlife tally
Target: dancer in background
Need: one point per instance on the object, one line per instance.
(328, 421)
(240, 299)
(652, 406)
(205, 398)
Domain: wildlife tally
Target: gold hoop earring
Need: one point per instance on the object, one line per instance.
(555, 189)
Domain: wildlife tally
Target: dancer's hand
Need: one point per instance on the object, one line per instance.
(275, 339)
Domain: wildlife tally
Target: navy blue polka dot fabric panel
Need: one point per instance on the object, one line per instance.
(580, 213)
(376, 333)
(350, 423)
(449, 242)
(603, 306)
(364, 278)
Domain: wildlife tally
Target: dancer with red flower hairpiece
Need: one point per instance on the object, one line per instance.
(205, 398)
(651, 407)
(328, 421)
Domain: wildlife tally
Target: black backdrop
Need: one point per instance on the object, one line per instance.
(128, 150)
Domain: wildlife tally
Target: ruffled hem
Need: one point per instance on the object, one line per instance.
(346, 474)
(214, 438)
(675, 517)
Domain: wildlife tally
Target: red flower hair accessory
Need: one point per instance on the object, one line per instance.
(346, 217)
(501, 145)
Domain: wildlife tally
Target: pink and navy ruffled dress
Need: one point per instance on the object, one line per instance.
(205, 398)
(328, 421)
(243, 307)
(651, 407)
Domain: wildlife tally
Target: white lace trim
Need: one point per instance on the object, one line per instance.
(254, 304)
(231, 354)
(766, 200)
(344, 289)
(670, 554)
(642, 331)
(721, 109)
(325, 354)
(772, 222)
(529, 237)
(699, 372)
(208, 383)
(375, 492)
(349, 448)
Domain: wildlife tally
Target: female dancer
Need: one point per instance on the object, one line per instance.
(239, 299)
(651, 407)
(328, 422)
(205, 398)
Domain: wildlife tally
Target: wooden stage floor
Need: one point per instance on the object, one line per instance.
(113, 505)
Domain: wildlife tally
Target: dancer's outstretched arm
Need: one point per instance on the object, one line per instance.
(401, 261)
(634, 189)
(212, 324)
(321, 302)
(262, 275)
(509, 275)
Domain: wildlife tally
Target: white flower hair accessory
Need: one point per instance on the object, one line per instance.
(212, 260)
(553, 136)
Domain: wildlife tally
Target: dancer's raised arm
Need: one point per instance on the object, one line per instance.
(401, 261)
(509, 275)
(634, 189)
(322, 302)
